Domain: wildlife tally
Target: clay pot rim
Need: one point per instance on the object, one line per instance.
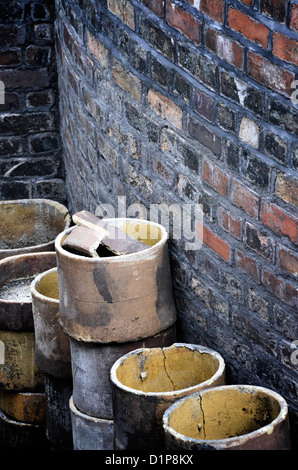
(42, 246)
(38, 295)
(202, 349)
(79, 413)
(228, 442)
(151, 250)
(24, 255)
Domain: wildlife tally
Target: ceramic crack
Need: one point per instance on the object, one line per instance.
(165, 368)
(200, 426)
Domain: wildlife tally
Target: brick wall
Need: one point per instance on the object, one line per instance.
(193, 102)
(30, 149)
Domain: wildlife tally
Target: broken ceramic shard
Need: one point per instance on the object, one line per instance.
(96, 238)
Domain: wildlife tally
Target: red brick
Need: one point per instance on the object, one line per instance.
(157, 6)
(269, 74)
(216, 178)
(213, 8)
(251, 29)
(184, 21)
(229, 222)
(216, 244)
(248, 2)
(285, 48)
(279, 221)
(245, 199)
(280, 288)
(225, 48)
(247, 264)
(294, 17)
(288, 261)
(203, 104)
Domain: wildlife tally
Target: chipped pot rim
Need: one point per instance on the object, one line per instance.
(151, 250)
(227, 442)
(36, 280)
(170, 394)
(43, 254)
(40, 246)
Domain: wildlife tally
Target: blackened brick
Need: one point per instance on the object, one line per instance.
(203, 104)
(25, 78)
(258, 172)
(44, 143)
(159, 72)
(203, 134)
(182, 87)
(157, 38)
(226, 117)
(275, 146)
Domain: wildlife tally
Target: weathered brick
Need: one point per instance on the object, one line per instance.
(22, 124)
(275, 146)
(25, 78)
(216, 244)
(285, 48)
(184, 21)
(229, 222)
(269, 74)
(276, 9)
(204, 135)
(249, 132)
(213, 8)
(38, 55)
(199, 65)
(247, 264)
(11, 12)
(159, 72)
(251, 29)
(97, 49)
(280, 288)
(258, 172)
(225, 48)
(245, 199)
(41, 143)
(233, 286)
(203, 104)
(260, 242)
(12, 103)
(215, 177)
(40, 12)
(10, 57)
(279, 221)
(36, 99)
(157, 38)
(257, 303)
(286, 187)
(288, 260)
(15, 190)
(294, 17)
(10, 146)
(242, 93)
(13, 34)
(138, 57)
(282, 115)
(226, 117)
(182, 87)
(124, 10)
(165, 108)
(127, 81)
(157, 6)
